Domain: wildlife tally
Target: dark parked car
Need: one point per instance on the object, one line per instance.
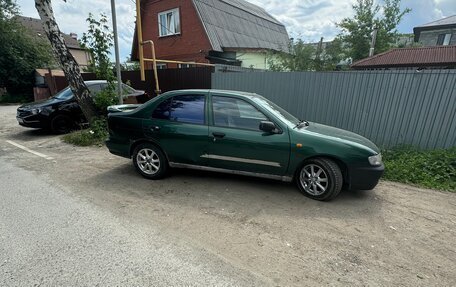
(62, 113)
(242, 133)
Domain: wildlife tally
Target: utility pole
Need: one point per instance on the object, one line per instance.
(374, 38)
(116, 48)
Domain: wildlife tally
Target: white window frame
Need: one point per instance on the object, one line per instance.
(447, 39)
(185, 66)
(161, 66)
(173, 28)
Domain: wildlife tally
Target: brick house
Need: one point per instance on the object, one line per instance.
(233, 32)
(437, 33)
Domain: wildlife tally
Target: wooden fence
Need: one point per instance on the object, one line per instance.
(170, 79)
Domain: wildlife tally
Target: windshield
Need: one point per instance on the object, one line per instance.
(64, 94)
(276, 110)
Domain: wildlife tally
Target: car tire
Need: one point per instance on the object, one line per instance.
(150, 161)
(319, 179)
(61, 124)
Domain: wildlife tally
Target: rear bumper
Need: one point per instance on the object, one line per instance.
(119, 149)
(365, 178)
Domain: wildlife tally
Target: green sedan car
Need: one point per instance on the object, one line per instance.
(242, 133)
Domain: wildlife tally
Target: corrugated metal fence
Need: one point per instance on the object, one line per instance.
(389, 107)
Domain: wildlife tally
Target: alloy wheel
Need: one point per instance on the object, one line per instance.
(314, 179)
(148, 161)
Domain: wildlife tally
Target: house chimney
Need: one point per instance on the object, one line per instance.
(74, 36)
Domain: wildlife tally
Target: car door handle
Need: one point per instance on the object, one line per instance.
(155, 128)
(218, 135)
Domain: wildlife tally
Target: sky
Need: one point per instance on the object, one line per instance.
(305, 19)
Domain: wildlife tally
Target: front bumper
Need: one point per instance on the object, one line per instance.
(30, 122)
(365, 178)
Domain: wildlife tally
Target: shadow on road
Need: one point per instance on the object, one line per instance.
(247, 195)
(27, 134)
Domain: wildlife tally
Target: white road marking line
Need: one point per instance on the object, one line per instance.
(29, 150)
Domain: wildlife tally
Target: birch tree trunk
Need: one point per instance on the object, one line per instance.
(67, 62)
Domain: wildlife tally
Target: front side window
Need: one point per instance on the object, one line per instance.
(183, 108)
(276, 110)
(169, 22)
(236, 113)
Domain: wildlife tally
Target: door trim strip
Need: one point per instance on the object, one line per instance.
(237, 172)
(240, 159)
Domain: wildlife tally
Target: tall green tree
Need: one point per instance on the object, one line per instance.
(306, 57)
(98, 40)
(299, 58)
(329, 57)
(357, 30)
(21, 52)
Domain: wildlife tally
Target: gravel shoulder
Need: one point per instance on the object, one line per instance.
(394, 235)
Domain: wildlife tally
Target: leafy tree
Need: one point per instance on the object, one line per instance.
(20, 53)
(305, 57)
(98, 41)
(67, 62)
(356, 31)
(300, 58)
(8, 9)
(129, 65)
(328, 58)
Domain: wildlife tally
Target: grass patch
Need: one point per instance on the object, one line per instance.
(96, 134)
(434, 169)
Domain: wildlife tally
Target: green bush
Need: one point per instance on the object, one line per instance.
(105, 98)
(20, 98)
(96, 134)
(434, 169)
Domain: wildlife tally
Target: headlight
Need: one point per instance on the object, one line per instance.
(375, 159)
(36, 111)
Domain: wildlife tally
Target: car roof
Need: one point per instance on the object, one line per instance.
(93, 82)
(215, 91)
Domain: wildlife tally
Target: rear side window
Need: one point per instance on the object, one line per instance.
(183, 108)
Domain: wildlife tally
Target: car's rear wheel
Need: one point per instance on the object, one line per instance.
(150, 161)
(61, 124)
(320, 179)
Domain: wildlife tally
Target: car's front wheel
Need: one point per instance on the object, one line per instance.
(150, 161)
(320, 179)
(61, 124)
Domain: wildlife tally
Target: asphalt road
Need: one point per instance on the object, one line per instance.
(51, 238)
(80, 216)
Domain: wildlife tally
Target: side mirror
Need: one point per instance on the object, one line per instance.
(268, 126)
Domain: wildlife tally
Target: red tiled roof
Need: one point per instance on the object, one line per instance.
(410, 57)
